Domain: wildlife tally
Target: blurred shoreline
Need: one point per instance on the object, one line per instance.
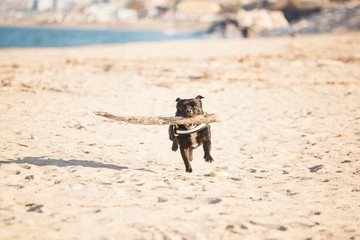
(325, 18)
(47, 36)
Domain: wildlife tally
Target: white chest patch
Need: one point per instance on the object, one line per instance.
(193, 140)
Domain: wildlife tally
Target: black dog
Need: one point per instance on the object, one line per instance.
(189, 137)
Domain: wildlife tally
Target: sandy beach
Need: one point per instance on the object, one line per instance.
(288, 139)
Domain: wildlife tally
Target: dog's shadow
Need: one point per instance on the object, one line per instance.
(46, 161)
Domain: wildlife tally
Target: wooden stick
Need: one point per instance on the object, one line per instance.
(206, 118)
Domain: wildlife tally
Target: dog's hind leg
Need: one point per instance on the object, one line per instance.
(190, 154)
(186, 157)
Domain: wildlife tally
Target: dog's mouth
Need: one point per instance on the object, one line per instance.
(188, 113)
(191, 115)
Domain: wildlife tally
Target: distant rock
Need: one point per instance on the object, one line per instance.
(343, 18)
(259, 20)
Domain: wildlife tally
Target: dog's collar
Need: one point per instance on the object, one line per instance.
(198, 128)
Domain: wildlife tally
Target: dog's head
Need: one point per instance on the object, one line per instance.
(189, 107)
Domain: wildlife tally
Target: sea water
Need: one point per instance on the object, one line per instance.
(25, 37)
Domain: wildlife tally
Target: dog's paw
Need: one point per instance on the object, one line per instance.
(175, 146)
(189, 170)
(208, 159)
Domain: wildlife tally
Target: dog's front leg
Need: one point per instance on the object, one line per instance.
(174, 145)
(185, 153)
(207, 148)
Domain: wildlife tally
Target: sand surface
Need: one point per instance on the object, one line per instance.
(288, 139)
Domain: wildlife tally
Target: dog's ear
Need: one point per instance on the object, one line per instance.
(178, 99)
(199, 97)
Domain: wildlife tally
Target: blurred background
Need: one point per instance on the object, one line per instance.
(154, 20)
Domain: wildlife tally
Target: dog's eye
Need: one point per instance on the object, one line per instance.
(181, 108)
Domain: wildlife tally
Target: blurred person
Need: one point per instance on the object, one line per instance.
(225, 25)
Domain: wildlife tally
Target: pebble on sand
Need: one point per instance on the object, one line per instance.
(33, 137)
(219, 174)
(76, 186)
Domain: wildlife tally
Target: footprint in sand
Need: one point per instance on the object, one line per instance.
(215, 200)
(34, 207)
(316, 168)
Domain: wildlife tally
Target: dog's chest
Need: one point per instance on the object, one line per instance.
(193, 139)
